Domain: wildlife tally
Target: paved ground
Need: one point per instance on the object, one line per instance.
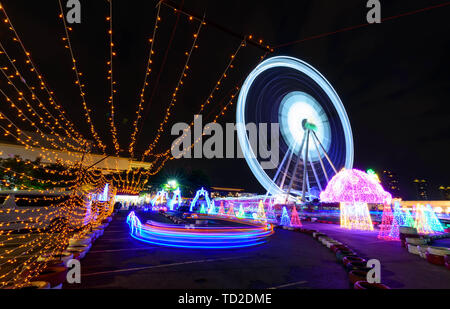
(287, 260)
(400, 269)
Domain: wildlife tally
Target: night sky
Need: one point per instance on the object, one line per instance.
(392, 77)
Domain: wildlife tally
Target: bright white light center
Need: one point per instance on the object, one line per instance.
(294, 109)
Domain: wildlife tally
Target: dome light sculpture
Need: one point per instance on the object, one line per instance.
(354, 189)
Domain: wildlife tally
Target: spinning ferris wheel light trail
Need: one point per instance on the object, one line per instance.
(317, 139)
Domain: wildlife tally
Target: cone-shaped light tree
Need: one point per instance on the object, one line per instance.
(295, 219)
(285, 220)
(221, 209)
(261, 214)
(389, 229)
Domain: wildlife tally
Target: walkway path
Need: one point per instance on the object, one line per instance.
(400, 269)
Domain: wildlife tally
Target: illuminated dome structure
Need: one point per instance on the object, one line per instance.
(352, 185)
(354, 189)
(316, 138)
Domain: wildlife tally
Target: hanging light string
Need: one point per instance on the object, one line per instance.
(47, 243)
(42, 83)
(112, 54)
(30, 142)
(33, 165)
(36, 114)
(20, 272)
(78, 80)
(146, 82)
(166, 156)
(161, 159)
(34, 97)
(225, 108)
(212, 93)
(175, 93)
(41, 181)
(57, 245)
(23, 117)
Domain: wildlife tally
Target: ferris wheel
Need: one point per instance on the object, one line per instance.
(316, 139)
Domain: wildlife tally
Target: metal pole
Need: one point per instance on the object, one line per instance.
(325, 153)
(279, 170)
(99, 161)
(296, 167)
(315, 174)
(305, 168)
(320, 160)
(286, 170)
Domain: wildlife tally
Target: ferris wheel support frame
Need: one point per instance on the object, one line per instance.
(309, 134)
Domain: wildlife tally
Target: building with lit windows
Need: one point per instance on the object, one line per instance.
(218, 192)
(421, 186)
(390, 183)
(445, 192)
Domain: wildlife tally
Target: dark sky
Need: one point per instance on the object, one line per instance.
(392, 78)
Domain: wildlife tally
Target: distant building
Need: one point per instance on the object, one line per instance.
(445, 192)
(218, 192)
(421, 186)
(390, 183)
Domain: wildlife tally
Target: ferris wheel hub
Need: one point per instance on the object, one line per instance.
(307, 125)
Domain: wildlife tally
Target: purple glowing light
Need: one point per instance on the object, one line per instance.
(354, 186)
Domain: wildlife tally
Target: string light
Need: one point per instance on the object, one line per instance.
(23, 117)
(216, 87)
(146, 82)
(112, 53)
(78, 80)
(41, 105)
(174, 94)
(42, 83)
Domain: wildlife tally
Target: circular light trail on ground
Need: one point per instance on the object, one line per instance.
(181, 236)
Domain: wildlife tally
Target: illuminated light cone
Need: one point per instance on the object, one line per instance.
(399, 214)
(427, 221)
(295, 219)
(231, 211)
(354, 190)
(261, 214)
(395, 230)
(388, 222)
(221, 209)
(241, 213)
(212, 208)
(433, 220)
(421, 221)
(202, 209)
(271, 217)
(285, 220)
(410, 222)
